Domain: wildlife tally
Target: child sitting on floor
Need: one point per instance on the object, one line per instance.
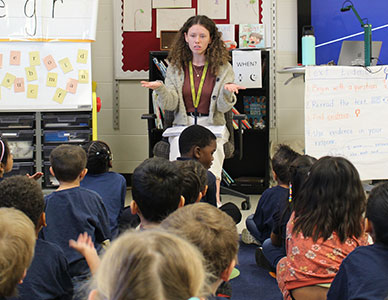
(72, 209)
(213, 232)
(48, 276)
(150, 265)
(325, 226)
(156, 191)
(363, 274)
(111, 186)
(17, 241)
(259, 225)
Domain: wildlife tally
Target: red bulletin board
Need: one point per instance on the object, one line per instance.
(137, 45)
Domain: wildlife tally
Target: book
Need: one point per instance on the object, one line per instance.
(227, 35)
(251, 36)
(255, 108)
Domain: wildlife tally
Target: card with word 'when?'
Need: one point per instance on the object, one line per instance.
(14, 58)
(32, 91)
(8, 80)
(71, 85)
(49, 62)
(18, 85)
(59, 95)
(65, 65)
(34, 58)
(83, 76)
(82, 56)
(52, 79)
(31, 74)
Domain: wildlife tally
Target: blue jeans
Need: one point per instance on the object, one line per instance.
(273, 253)
(252, 228)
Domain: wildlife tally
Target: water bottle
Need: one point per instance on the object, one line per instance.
(308, 46)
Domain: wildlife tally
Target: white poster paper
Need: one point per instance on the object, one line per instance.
(247, 68)
(170, 3)
(346, 115)
(214, 9)
(70, 19)
(244, 11)
(172, 19)
(137, 15)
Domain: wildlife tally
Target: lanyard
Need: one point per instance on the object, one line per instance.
(198, 96)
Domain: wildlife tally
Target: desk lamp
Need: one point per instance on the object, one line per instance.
(367, 33)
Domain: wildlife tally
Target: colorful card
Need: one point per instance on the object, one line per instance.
(82, 56)
(83, 76)
(59, 95)
(18, 85)
(65, 65)
(49, 62)
(52, 79)
(251, 36)
(14, 58)
(71, 85)
(8, 80)
(31, 74)
(34, 58)
(32, 91)
(255, 108)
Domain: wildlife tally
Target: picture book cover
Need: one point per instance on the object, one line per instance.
(251, 36)
(227, 31)
(255, 108)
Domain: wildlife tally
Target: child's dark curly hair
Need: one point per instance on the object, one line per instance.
(99, 157)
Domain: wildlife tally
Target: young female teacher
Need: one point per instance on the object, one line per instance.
(199, 84)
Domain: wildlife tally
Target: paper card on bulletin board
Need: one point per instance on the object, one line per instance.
(172, 19)
(170, 3)
(70, 19)
(44, 84)
(212, 9)
(244, 11)
(346, 115)
(247, 68)
(137, 15)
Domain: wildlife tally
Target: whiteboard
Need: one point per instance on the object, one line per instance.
(346, 115)
(65, 86)
(38, 19)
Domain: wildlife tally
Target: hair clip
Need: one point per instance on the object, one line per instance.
(290, 193)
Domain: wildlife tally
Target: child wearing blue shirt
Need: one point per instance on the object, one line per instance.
(363, 274)
(111, 186)
(48, 276)
(72, 209)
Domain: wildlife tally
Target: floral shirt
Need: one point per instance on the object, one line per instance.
(310, 263)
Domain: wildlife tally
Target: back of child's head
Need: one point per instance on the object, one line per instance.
(156, 188)
(68, 161)
(150, 265)
(211, 230)
(195, 136)
(17, 242)
(22, 193)
(194, 179)
(5, 154)
(377, 212)
(299, 170)
(281, 162)
(332, 199)
(99, 157)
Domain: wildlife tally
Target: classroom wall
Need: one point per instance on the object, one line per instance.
(130, 144)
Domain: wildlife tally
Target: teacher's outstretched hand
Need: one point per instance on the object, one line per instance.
(153, 85)
(233, 88)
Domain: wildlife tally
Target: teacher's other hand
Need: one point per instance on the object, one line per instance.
(233, 88)
(153, 85)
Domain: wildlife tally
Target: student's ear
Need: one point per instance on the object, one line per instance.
(83, 174)
(41, 221)
(204, 191)
(134, 207)
(181, 202)
(196, 152)
(92, 295)
(225, 275)
(52, 171)
(199, 197)
(275, 177)
(368, 226)
(24, 276)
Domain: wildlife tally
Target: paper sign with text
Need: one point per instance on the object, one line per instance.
(247, 68)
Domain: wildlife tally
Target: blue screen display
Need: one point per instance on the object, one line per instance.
(333, 26)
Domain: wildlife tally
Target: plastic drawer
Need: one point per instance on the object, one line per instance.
(66, 136)
(21, 142)
(17, 121)
(49, 180)
(66, 120)
(21, 168)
